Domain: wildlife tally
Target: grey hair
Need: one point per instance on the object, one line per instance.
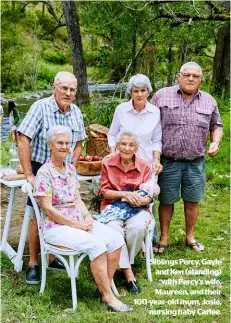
(139, 80)
(61, 75)
(127, 133)
(57, 130)
(192, 65)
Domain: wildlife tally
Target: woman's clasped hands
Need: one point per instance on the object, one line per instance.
(86, 224)
(134, 199)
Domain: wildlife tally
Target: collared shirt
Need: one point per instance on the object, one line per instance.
(61, 188)
(113, 176)
(45, 114)
(146, 124)
(186, 126)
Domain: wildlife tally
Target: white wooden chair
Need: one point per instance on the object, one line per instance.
(72, 267)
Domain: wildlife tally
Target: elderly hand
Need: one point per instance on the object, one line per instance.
(88, 216)
(213, 149)
(134, 199)
(31, 179)
(156, 166)
(108, 156)
(85, 225)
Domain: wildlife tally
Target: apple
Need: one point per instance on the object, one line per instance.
(95, 158)
(81, 158)
(87, 158)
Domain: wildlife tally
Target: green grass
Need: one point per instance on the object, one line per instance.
(22, 303)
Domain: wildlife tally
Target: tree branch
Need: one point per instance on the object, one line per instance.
(186, 18)
(52, 30)
(129, 8)
(104, 36)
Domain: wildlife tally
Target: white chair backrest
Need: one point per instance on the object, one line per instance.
(27, 188)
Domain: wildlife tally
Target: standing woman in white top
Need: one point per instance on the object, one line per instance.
(140, 116)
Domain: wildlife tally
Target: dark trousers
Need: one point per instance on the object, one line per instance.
(35, 167)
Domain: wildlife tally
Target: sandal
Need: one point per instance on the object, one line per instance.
(159, 246)
(197, 244)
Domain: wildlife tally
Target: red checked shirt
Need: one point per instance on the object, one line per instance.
(185, 126)
(113, 176)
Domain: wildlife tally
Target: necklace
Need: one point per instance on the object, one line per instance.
(60, 169)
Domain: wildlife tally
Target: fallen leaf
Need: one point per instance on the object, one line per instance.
(218, 239)
(68, 310)
(225, 232)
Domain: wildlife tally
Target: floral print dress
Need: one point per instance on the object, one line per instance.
(61, 188)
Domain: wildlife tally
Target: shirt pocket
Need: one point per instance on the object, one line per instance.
(203, 116)
(48, 123)
(75, 131)
(172, 115)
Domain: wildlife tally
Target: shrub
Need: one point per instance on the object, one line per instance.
(54, 57)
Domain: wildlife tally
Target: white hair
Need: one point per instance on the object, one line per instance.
(57, 130)
(127, 133)
(193, 65)
(63, 75)
(139, 80)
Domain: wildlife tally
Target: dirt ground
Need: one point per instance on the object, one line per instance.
(19, 209)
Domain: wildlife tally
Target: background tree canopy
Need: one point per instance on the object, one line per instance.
(119, 38)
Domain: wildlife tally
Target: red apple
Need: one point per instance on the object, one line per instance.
(81, 158)
(95, 158)
(87, 158)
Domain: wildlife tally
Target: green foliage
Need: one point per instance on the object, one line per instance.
(5, 152)
(47, 71)
(119, 39)
(218, 168)
(101, 113)
(27, 46)
(54, 57)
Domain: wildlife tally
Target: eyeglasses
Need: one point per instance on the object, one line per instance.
(194, 76)
(66, 88)
(62, 143)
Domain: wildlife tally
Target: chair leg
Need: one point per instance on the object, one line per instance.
(73, 282)
(155, 233)
(114, 289)
(148, 243)
(44, 272)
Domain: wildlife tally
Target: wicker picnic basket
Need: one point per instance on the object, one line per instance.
(97, 140)
(89, 168)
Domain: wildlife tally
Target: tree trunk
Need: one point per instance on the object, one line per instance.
(79, 67)
(133, 67)
(221, 67)
(169, 66)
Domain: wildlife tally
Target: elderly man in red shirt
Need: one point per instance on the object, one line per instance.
(188, 115)
(121, 172)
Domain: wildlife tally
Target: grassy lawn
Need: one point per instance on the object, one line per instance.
(22, 303)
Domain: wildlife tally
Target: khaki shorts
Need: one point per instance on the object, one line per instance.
(185, 177)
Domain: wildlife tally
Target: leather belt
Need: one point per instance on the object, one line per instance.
(178, 160)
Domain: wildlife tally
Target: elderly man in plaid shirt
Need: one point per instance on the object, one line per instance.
(188, 115)
(58, 109)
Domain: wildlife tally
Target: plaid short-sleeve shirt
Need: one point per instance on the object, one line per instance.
(45, 114)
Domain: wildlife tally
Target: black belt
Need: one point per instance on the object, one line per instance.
(178, 160)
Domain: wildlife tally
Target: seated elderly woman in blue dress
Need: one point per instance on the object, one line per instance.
(66, 221)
